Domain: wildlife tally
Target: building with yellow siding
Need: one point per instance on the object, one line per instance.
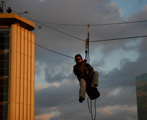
(17, 67)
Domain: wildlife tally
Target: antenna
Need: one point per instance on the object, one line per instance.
(25, 12)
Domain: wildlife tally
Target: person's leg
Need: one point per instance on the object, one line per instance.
(82, 90)
(95, 78)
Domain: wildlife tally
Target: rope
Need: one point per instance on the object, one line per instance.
(90, 108)
(88, 60)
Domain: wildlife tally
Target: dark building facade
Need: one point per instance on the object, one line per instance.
(4, 71)
(141, 92)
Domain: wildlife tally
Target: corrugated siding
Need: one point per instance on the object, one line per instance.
(22, 74)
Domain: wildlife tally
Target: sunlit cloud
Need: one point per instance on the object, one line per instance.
(53, 108)
(115, 92)
(41, 0)
(44, 117)
(133, 109)
(55, 84)
(146, 7)
(43, 86)
(40, 87)
(107, 111)
(115, 4)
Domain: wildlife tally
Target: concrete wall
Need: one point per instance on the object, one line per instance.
(22, 74)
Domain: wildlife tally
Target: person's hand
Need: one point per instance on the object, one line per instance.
(81, 99)
(85, 60)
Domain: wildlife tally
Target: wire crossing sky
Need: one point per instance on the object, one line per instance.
(103, 40)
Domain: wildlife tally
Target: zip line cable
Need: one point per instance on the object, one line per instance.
(59, 30)
(81, 40)
(91, 25)
(89, 41)
(98, 40)
(54, 51)
(45, 47)
(56, 29)
(42, 46)
(96, 24)
(118, 38)
(118, 23)
(64, 24)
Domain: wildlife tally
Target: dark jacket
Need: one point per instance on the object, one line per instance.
(83, 70)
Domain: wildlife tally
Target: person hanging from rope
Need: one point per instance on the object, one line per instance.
(86, 75)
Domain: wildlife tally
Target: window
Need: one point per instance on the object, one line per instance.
(4, 72)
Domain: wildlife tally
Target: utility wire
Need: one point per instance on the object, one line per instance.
(64, 24)
(90, 41)
(43, 47)
(92, 25)
(118, 38)
(97, 24)
(119, 23)
(54, 51)
(56, 29)
(82, 40)
(59, 30)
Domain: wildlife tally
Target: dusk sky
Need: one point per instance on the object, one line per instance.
(64, 30)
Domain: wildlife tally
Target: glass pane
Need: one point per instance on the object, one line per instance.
(3, 89)
(4, 39)
(4, 57)
(4, 98)
(3, 115)
(4, 46)
(4, 64)
(4, 107)
(4, 81)
(4, 72)
(4, 32)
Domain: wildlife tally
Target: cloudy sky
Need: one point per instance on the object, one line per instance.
(118, 61)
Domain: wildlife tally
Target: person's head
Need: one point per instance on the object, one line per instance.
(78, 58)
